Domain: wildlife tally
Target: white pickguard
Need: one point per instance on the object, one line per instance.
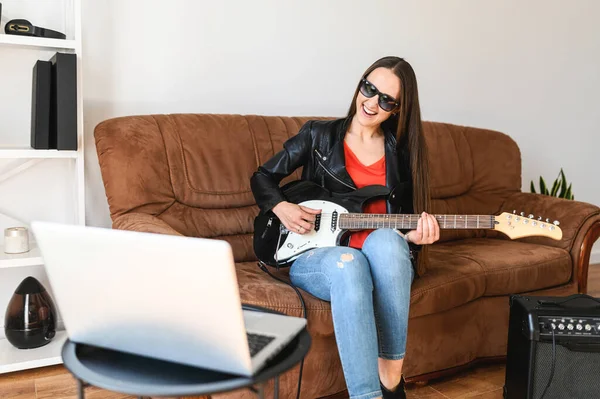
(295, 244)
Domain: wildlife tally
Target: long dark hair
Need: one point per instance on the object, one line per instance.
(408, 127)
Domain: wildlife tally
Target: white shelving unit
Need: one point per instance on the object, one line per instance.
(31, 263)
(13, 359)
(37, 43)
(28, 153)
(31, 258)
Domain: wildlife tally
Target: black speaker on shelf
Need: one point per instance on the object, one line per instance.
(553, 347)
(41, 139)
(63, 116)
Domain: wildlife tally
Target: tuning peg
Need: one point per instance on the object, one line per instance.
(514, 211)
(539, 218)
(547, 220)
(522, 213)
(556, 222)
(530, 216)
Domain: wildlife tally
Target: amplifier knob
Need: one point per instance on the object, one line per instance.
(570, 326)
(579, 327)
(588, 327)
(553, 326)
(561, 326)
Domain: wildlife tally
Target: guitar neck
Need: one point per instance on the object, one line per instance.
(359, 221)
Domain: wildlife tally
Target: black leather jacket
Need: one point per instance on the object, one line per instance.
(319, 149)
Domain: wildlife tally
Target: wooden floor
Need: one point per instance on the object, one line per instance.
(484, 382)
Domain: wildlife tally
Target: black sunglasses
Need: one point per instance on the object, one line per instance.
(386, 102)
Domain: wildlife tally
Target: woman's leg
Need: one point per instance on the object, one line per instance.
(341, 275)
(393, 274)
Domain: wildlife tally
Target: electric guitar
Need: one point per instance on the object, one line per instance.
(276, 246)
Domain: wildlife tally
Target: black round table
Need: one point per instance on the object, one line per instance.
(141, 376)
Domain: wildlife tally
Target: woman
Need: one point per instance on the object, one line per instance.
(368, 279)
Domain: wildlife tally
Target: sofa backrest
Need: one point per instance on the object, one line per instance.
(472, 171)
(193, 170)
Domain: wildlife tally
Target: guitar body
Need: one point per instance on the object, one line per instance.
(276, 246)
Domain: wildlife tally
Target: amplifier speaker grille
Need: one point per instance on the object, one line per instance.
(576, 374)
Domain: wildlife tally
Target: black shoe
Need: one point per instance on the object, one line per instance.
(397, 393)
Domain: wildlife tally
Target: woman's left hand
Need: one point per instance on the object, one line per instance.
(427, 232)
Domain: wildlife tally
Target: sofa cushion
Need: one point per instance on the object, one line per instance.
(448, 145)
(513, 266)
(451, 280)
(459, 272)
(258, 288)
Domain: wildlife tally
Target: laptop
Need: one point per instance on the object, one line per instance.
(166, 297)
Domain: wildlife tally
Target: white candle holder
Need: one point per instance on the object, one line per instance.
(16, 240)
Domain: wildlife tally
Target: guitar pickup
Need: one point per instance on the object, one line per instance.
(334, 217)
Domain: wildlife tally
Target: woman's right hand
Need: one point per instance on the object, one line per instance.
(296, 218)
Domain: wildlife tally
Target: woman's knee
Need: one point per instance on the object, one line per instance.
(386, 240)
(348, 266)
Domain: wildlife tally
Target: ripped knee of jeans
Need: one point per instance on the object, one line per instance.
(346, 257)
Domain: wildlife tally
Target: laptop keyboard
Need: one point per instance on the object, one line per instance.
(257, 342)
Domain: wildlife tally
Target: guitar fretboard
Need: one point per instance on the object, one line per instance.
(357, 221)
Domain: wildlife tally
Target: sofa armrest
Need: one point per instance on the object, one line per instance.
(143, 222)
(579, 222)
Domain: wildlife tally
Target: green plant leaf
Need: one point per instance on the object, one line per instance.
(555, 187)
(543, 189)
(563, 189)
(568, 193)
(532, 187)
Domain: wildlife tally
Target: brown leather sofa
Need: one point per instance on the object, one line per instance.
(189, 174)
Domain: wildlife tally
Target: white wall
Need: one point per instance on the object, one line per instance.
(528, 69)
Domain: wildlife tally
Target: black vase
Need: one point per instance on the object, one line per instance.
(30, 320)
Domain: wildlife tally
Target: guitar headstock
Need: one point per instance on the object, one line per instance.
(520, 225)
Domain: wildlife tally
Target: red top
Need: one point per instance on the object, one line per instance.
(362, 176)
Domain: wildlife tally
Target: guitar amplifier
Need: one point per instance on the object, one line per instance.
(553, 347)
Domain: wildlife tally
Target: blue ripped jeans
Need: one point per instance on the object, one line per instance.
(369, 291)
